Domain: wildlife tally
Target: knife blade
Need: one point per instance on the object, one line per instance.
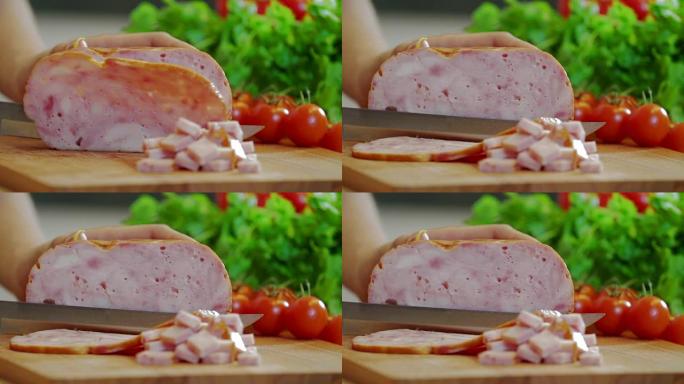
(457, 320)
(113, 319)
(367, 124)
(14, 122)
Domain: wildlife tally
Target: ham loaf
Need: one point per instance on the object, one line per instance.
(151, 275)
(497, 83)
(66, 341)
(113, 99)
(488, 275)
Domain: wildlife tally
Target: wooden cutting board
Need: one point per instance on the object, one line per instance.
(28, 165)
(626, 361)
(283, 361)
(626, 168)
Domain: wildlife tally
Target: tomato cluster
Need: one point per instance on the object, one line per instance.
(306, 125)
(640, 199)
(640, 7)
(298, 199)
(298, 7)
(303, 317)
(648, 125)
(647, 317)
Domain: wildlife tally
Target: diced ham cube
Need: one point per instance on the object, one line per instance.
(526, 353)
(530, 320)
(226, 346)
(183, 160)
(561, 328)
(151, 334)
(188, 320)
(500, 345)
(203, 343)
(175, 335)
(248, 146)
(248, 339)
(236, 338)
(249, 358)
(252, 349)
(493, 334)
(526, 161)
(232, 321)
(252, 156)
(217, 358)
(155, 165)
(530, 127)
(158, 153)
(518, 142)
(591, 147)
(249, 166)
(237, 148)
(575, 128)
(517, 335)
(232, 128)
(591, 166)
(218, 165)
(176, 142)
(545, 151)
(226, 153)
(203, 151)
(500, 153)
(568, 346)
(545, 343)
(559, 165)
(567, 153)
(184, 353)
(151, 143)
(591, 358)
(550, 123)
(580, 343)
(497, 165)
(496, 358)
(493, 142)
(558, 358)
(580, 150)
(575, 321)
(590, 339)
(561, 136)
(155, 358)
(158, 346)
(187, 127)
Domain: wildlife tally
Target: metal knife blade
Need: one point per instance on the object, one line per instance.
(123, 319)
(436, 318)
(367, 124)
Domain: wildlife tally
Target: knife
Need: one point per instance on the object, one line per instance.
(14, 122)
(367, 124)
(457, 320)
(122, 320)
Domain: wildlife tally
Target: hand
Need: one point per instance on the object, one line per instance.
(145, 39)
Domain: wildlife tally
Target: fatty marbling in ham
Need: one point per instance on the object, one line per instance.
(497, 83)
(488, 275)
(113, 99)
(150, 275)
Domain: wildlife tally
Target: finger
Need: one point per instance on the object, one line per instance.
(495, 231)
(134, 232)
(486, 39)
(145, 39)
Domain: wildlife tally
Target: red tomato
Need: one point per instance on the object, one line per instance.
(564, 8)
(564, 200)
(675, 330)
(583, 111)
(617, 100)
(272, 118)
(333, 138)
(586, 97)
(641, 201)
(262, 6)
(648, 125)
(298, 7)
(333, 330)
(604, 198)
(586, 289)
(244, 289)
(614, 117)
(649, 317)
(583, 303)
(640, 7)
(604, 6)
(615, 320)
(241, 113)
(307, 317)
(244, 97)
(618, 292)
(222, 8)
(222, 200)
(299, 200)
(307, 125)
(675, 139)
(241, 304)
(262, 198)
(274, 311)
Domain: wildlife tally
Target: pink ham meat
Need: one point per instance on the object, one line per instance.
(66, 341)
(406, 148)
(408, 341)
(497, 83)
(151, 275)
(113, 99)
(491, 275)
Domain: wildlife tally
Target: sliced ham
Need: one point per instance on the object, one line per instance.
(113, 99)
(491, 275)
(497, 83)
(66, 341)
(408, 341)
(151, 275)
(404, 148)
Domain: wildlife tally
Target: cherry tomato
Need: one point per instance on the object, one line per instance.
(618, 292)
(675, 330)
(241, 304)
(307, 317)
(604, 6)
(640, 7)
(588, 98)
(262, 6)
(648, 125)
(333, 330)
(307, 125)
(564, 8)
(283, 101)
(617, 100)
(649, 317)
(241, 112)
(586, 289)
(641, 201)
(299, 200)
(333, 138)
(262, 198)
(222, 200)
(298, 7)
(675, 139)
(604, 198)
(244, 289)
(272, 119)
(613, 131)
(616, 314)
(583, 303)
(222, 8)
(274, 311)
(564, 200)
(583, 111)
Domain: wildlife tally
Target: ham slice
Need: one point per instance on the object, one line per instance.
(408, 341)
(488, 275)
(495, 83)
(404, 148)
(66, 341)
